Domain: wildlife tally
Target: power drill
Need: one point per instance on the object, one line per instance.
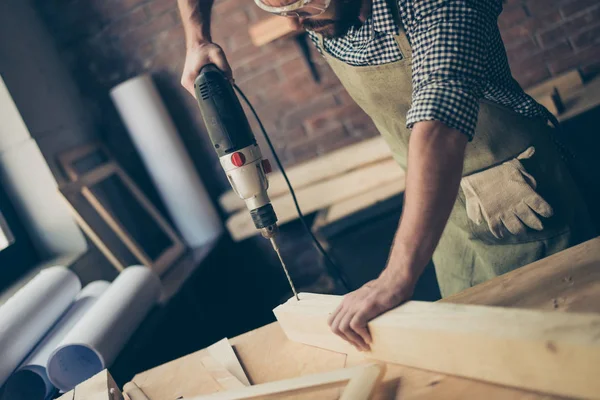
(238, 152)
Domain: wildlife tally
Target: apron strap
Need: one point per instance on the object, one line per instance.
(402, 37)
(403, 43)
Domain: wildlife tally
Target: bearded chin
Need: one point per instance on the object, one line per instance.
(347, 13)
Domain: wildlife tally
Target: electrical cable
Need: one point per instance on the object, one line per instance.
(328, 259)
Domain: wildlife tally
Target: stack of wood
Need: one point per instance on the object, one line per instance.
(343, 181)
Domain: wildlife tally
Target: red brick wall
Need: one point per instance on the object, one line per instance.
(107, 41)
(547, 37)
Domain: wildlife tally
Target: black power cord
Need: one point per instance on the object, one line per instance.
(333, 267)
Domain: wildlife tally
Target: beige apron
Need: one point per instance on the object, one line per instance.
(469, 254)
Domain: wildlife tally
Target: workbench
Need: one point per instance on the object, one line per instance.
(565, 282)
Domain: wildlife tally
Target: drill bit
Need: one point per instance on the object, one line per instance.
(287, 274)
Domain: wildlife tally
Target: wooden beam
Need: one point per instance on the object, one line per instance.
(321, 168)
(550, 352)
(220, 374)
(361, 381)
(565, 84)
(352, 205)
(321, 195)
(223, 352)
(101, 386)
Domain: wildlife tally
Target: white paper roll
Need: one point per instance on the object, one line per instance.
(166, 159)
(28, 315)
(30, 381)
(96, 340)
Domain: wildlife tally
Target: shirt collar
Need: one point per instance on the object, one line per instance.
(381, 21)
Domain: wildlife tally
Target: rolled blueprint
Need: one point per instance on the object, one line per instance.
(30, 381)
(28, 315)
(96, 340)
(167, 161)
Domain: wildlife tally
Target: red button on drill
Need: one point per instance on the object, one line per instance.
(238, 159)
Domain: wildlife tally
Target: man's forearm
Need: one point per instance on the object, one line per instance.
(195, 15)
(435, 162)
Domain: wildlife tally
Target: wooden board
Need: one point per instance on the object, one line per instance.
(566, 281)
(570, 276)
(321, 195)
(223, 353)
(345, 208)
(551, 352)
(101, 386)
(565, 84)
(224, 378)
(184, 377)
(321, 168)
(360, 381)
(270, 29)
(581, 101)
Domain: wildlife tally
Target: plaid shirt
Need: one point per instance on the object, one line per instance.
(458, 58)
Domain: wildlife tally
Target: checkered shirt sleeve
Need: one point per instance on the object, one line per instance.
(450, 56)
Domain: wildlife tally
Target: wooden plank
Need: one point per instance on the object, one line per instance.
(220, 374)
(581, 101)
(185, 377)
(550, 352)
(101, 386)
(352, 205)
(318, 169)
(572, 277)
(321, 195)
(565, 84)
(224, 353)
(133, 392)
(270, 29)
(361, 381)
(565, 281)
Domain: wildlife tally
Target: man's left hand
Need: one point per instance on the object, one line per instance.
(349, 320)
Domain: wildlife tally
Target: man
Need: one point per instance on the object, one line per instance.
(486, 188)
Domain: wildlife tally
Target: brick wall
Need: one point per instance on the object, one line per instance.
(108, 41)
(547, 37)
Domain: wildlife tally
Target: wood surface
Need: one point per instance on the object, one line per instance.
(224, 354)
(572, 277)
(565, 281)
(565, 84)
(132, 392)
(360, 383)
(99, 387)
(582, 100)
(321, 195)
(224, 378)
(551, 352)
(184, 377)
(345, 208)
(270, 29)
(324, 167)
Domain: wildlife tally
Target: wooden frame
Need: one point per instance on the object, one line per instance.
(360, 382)
(83, 183)
(546, 351)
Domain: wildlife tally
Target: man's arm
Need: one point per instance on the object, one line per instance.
(450, 53)
(435, 159)
(195, 16)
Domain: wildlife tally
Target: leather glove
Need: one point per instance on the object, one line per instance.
(505, 197)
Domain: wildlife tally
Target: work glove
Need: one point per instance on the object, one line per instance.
(505, 197)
